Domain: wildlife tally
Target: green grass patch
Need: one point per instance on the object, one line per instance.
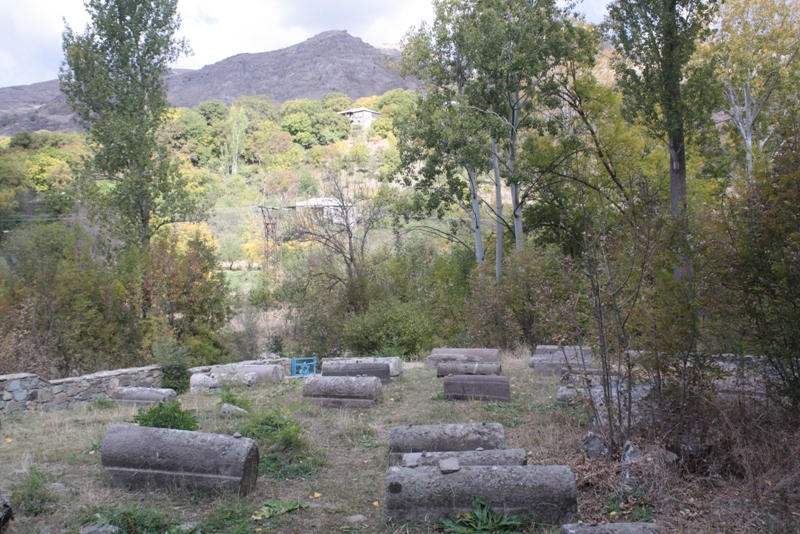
(232, 517)
(100, 404)
(629, 505)
(30, 496)
(285, 453)
(229, 397)
(133, 519)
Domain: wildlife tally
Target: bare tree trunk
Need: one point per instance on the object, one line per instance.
(475, 215)
(498, 194)
(512, 164)
(518, 236)
(677, 173)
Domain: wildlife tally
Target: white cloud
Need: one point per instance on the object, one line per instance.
(30, 30)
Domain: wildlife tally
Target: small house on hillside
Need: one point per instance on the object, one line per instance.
(361, 116)
(328, 210)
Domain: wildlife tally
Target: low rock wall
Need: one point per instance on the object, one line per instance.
(27, 391)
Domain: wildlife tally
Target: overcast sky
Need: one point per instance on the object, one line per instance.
(30, 30)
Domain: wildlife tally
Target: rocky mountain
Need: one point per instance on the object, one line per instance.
(328, 62)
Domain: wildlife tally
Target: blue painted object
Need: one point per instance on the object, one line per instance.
(304, 366)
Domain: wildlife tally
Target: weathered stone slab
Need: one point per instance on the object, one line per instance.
(566, 395)
(378, 370)
(395, 363)
(247, 374)
(354, 404)
(610, 528)
(344, 391)
(436, 358)
(468, 368)
(6, 513)
(444, 438)
(486, 353)
(547, 367)
(477, 387)
(138, 457)
(204, 381)
(487, 457)
(558, 362)
(137, 396)
(232, 411)
(570, 351)
(547, 492)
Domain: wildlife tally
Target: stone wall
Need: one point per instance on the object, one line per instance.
(26, 391)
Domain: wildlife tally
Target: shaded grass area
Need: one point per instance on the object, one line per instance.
(334, 461)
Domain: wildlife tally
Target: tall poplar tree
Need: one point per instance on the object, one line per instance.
(655, 40)
(113, 77)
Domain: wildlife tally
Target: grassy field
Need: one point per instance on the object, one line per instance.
(337, 468)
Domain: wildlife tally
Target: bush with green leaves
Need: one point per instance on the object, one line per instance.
(174, 362)
(389, 327)
(167, 415)
(275, 345)
(482, 519)
(30, 495)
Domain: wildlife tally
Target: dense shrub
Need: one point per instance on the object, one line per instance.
(174, 363)
(389, 327)
(762, 266)
(528, 305)
(167, 415)
(65, 309)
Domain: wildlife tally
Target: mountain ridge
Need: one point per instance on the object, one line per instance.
(332, 61)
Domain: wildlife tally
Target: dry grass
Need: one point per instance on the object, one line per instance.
(354, 448)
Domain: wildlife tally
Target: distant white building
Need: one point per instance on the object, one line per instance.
(361, 116)
(328, 209)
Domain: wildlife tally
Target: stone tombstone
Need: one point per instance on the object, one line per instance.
(246, 373)
(445, 438)
(138, 396)
(395, 363)
(144, 458)
(571, 351)
(548, 493)
(344, 391)
(490, 354)
(379, 370)
(477, 457)
(477, 387)
(468, 368)
(435, 359)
